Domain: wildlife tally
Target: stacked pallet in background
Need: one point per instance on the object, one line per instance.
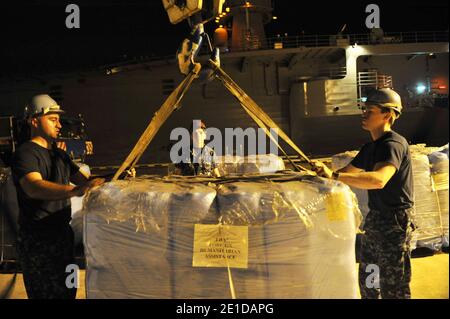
(9, 212)
(252, 164)
(268, 236)
(427, 218)
(439, 162)
(234, 165)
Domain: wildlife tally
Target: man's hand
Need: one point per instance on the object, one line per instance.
(131, 173)
(321, 169)
(82, 189)
(89, 148)
(216, 173)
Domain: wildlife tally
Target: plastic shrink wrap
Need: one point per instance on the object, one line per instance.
(137, 233)
(77, 214)
(341, 160)
(251, 164)
(77, 219)
(8, 195)
(439, 173)
(427, 218)
(9, 211)
(277, 236)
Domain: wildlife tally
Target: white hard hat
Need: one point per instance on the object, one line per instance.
(42, 104)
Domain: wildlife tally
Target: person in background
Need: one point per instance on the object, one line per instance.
(201, 159)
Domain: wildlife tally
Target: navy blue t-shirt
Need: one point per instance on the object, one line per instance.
(55, 166)
(391, 148)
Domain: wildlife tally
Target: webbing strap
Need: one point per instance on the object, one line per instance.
(157, 121)
(244, 99)
(269, 134)
(256, 113)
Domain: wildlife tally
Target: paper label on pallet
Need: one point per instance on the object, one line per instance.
(220, 246)
(336, 206)
(440, 181)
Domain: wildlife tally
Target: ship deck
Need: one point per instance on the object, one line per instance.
(429, 279)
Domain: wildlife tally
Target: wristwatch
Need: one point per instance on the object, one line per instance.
(335, 175)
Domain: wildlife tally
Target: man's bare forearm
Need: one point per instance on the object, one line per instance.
(45, 190)
(362, 180)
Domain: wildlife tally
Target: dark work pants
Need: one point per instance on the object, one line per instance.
(386, 244)
(44, 259)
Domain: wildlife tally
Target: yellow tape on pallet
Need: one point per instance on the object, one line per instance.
(336, 206)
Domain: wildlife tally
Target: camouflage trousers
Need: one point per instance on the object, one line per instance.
(385, 248)
(44, 259)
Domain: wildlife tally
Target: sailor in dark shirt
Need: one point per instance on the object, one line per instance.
(42, 174)
(383, 167)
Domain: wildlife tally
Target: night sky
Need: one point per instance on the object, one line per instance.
(34, 39)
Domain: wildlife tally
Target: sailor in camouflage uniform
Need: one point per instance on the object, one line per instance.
(383, 167)
(386, 243)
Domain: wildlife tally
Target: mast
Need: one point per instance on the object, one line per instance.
(248, 20)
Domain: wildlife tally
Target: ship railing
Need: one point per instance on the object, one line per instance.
(250, 42)
(285, 42)
(306, 40)
(384, 81)
(371, 79)
(338, 72)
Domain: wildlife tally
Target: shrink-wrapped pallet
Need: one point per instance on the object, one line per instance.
(273, 236)
(135, 231)
(439, 173)
(427, 219)
(341, 160)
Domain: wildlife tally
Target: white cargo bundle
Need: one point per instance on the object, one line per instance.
(277, 236)
(300, 236)
(251, 164)
(134, 234)
(427, 218)
(439, 172)
(341, 160)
